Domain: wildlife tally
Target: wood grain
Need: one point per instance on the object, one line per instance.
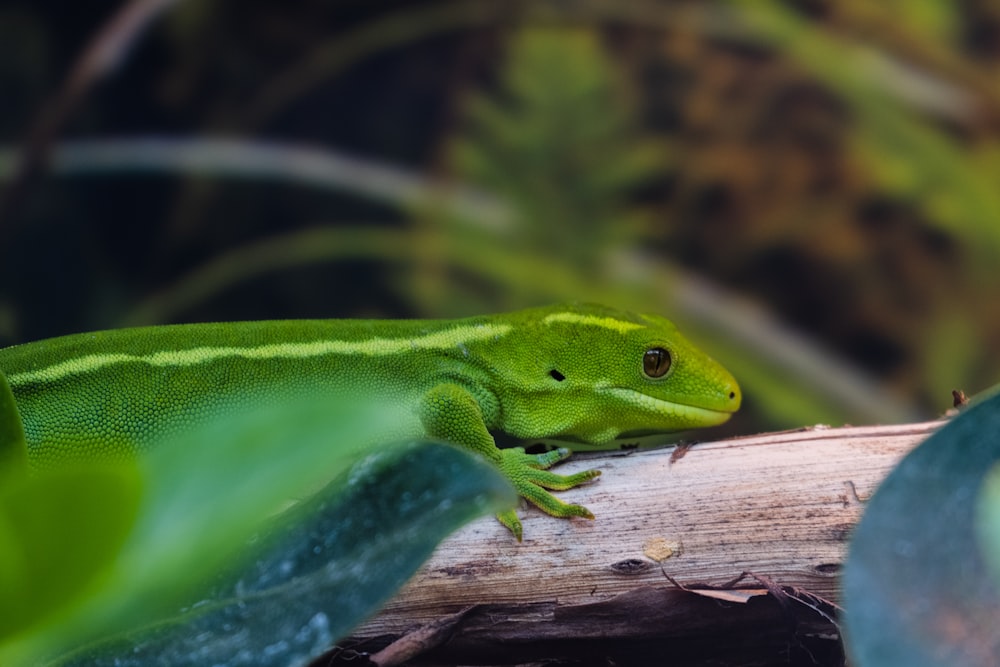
(781, 505)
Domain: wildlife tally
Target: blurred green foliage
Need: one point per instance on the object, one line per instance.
(807, 188)
(561, 146)
(190, 551)
(58, 534)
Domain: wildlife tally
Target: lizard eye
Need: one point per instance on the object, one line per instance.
(656, 362)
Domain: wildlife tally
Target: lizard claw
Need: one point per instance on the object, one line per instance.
(530, 479)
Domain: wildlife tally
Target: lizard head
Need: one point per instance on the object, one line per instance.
(593, 374)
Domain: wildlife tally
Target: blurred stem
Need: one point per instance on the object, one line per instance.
(895, 31)
(956, 195)
(102, 55)
(378, 36)
(429, 20)
(271, 162)
(340, 53)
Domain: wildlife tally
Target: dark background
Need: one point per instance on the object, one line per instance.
(790, 174)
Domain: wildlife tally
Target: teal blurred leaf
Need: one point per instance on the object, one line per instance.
(324, 568)
(988, 520)
(918, 588)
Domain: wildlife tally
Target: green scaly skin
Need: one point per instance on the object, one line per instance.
(575, 372)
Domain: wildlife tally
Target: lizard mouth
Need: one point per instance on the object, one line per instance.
(679, 413)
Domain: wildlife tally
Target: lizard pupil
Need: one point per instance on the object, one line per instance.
(656, 362)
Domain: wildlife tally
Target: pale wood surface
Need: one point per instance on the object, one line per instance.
(781, 505)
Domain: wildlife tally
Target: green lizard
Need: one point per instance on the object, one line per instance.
(580, 373)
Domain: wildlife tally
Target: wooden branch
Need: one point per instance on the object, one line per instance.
(779, 505)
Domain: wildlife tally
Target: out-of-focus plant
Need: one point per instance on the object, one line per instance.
(923, 107)
(189, 556)
(560, 144)
(811, 160)
(921, 582)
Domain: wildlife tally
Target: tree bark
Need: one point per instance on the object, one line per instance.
(780, 506)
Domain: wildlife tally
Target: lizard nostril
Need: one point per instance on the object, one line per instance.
(732, 394)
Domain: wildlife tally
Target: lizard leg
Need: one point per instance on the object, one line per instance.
(451, 413)
(533, 467)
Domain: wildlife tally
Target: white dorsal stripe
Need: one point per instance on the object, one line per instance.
(592, 320)
(437, 340)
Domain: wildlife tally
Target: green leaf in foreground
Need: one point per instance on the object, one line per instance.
(918, 590)
(13, 449)
(323, 567)
(206, 492)
(58, 533)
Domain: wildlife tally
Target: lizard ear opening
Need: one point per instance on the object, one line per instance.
(556, 375)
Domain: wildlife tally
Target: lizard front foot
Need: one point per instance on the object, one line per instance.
(530, 477)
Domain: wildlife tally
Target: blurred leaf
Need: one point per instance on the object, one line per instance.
(561, 144)
(268, 162)
(951, 348)
(988, 520)
(206, 492)
(938, 20)
(324, 568)
(58, 532)
(917, 587)
(910, 157)
(13, 449)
